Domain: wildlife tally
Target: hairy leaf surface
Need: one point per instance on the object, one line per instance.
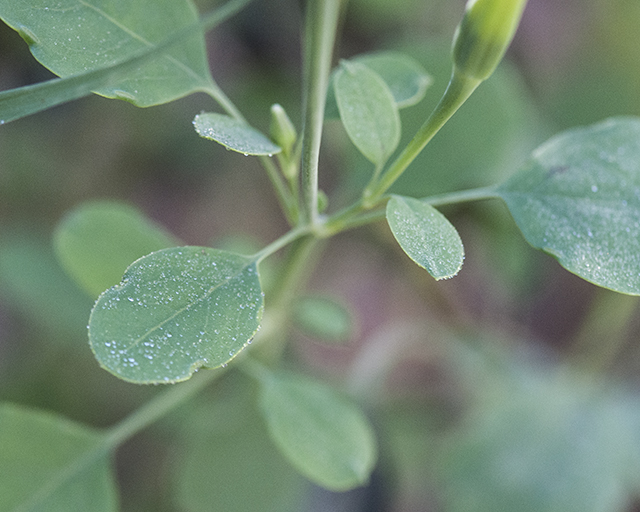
(177, 310)
(578, 199)
(234, 135)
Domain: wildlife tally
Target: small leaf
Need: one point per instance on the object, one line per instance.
(74, 36)
(426, 236)
(323, 318)
(234, 135)
(177, 310)
(96, 242)
(368, 111)
(405, 77)
(326, 437)
(49, 464)
(578, 199)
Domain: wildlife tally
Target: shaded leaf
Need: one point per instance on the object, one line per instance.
(406, 78)
(578, 199)
(49, 464)
(323, 318)
(324, 436)
(97, 241)
(368, 111)
(426, 236)
(74, 36)
(234, 135)
(230, 460)
(177, 310)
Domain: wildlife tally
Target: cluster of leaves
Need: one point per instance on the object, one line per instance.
(169, 310)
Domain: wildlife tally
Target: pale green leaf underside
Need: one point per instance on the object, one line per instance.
(96, 242)
(49, 464)
(578, 199)
(74, 36)
(426, 236)
(368, 111)
(324, 436)
(234, 135)
(406, 78)
(177, 310)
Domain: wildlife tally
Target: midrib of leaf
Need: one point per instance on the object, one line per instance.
(182, 310)
(138, 37)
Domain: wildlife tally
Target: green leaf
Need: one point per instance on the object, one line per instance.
(578, 199)
(96, 242)
(73, 36)
(177, 310)
(426, 236)
(24, 101)
(35, 284)
(49, 464)
(323, 318)
(368, 111)
(326, 437)
(234, 135)
(229, 459)
(406, 78)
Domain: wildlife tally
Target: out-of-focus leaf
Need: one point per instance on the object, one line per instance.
(323, 318)
(177, 310)
(324, 436)
(96, 242)
(230, 461)
(49, 464)
(426, 236)
(33, 281)
(234, 135)
(578, 199)
(367, 110)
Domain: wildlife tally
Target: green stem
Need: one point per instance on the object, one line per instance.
(321, 27)
(158, 407)
(458, 90)
(278, 244)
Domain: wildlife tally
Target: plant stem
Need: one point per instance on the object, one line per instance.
(458, 90)
(321, 26)
(158, 407)
(278, 244)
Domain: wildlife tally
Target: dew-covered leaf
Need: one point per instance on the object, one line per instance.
(234, 135)
(326, 437)
(426, 236)
(368, 111)
(97, 241)
(578, 199)
(177, 310)
(323, 318)
(50, 464)
(406, 78)
(73, 36)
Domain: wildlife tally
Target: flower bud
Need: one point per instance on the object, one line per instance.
(282, 130)
(484, 34)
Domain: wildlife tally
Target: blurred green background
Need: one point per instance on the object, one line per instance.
(573, 62)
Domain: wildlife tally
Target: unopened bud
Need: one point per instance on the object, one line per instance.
(282, 130)
(484, 34)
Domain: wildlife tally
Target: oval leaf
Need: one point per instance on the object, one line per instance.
(234, 135)
(73, 37)
(426, 236)
(96, 242)
(50, 463)
(326, 437)
(578, 199)
(368, 111)
(323, 318)
(175, 311)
